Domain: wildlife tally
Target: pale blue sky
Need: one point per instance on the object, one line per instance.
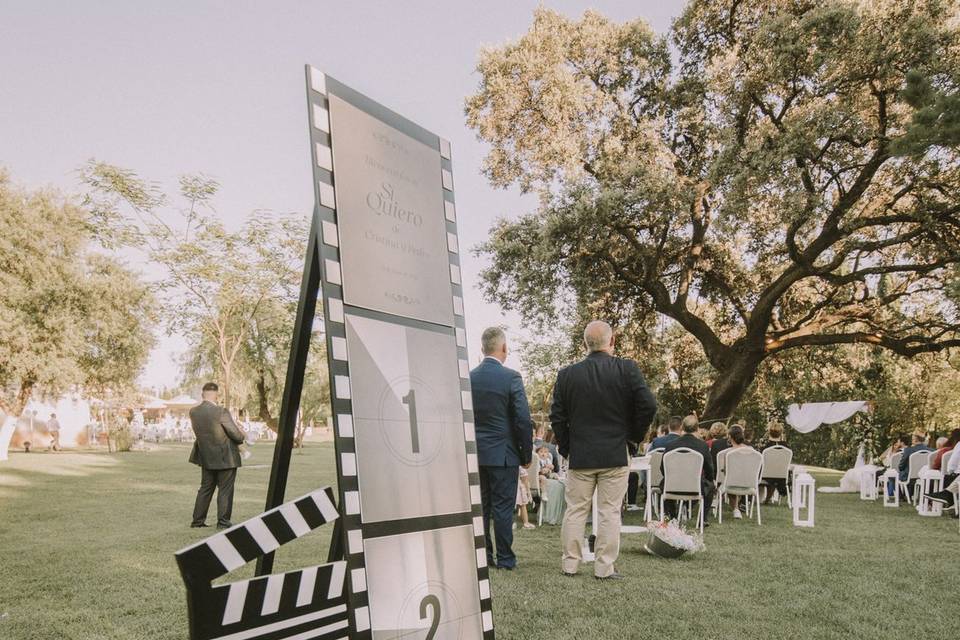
(172, 87)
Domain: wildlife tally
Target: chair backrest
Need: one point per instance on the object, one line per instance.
(895, 460)
(744, 466)
(776, 461)
(722, 465)
(945, 460)
(681, 471)
(656, 473)
(918, 460)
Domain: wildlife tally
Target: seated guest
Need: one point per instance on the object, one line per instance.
(919, 445)
(703, 433)
(546, 466)
(708, 474)
(774, 438)
(950, 472)
(652, 435)
(898, 445)
(886, 458)
(542, 437)
(673, 432)
(718, 440)
(944, 445)
(736, 441)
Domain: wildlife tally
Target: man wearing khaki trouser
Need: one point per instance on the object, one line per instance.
(600, 404)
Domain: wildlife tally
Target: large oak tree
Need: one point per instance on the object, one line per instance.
(772, 175)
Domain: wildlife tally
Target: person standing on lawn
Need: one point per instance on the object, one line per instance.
(53, 426)
(217, 452)
(600, 404)
(501, 417)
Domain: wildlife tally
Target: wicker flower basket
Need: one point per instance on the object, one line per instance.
(657, 547)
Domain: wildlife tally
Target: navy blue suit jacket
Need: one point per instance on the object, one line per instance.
(501, 416)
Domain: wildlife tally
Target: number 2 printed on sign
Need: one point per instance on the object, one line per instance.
(434, 603)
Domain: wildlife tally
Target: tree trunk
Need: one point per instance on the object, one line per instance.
(225, 396)
(262, 395)
(730, 385)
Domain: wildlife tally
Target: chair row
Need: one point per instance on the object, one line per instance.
(676, 475)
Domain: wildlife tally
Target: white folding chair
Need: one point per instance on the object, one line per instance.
(654, 478)
(722, 465)
(721, 471)
(918, 460)
(776, 466)
(742, 478)
(945, 460)
(682, 469)
(882, 481)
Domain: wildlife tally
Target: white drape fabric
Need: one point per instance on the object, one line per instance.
(810, 415)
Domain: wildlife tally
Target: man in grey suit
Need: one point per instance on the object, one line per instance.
(217, 452)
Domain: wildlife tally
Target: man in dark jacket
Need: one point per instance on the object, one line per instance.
(600, 404)
(217, 451)
(504, 430)
(708, 473)
(674, 427)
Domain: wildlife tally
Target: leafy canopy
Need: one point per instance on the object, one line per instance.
(781, 185)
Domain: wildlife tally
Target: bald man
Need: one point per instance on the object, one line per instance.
(599, 405)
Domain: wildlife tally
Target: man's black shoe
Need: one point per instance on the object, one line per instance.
(221, 527)
(505, 568)
(194, 525)
(568, 574)
(941, 497)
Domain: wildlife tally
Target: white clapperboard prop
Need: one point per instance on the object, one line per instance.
(307, 603)
(396, 343)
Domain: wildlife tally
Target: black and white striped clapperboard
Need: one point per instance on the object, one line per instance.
(306, 604)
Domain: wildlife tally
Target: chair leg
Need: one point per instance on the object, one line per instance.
(661, 508)
(700, 509)
(720, 507)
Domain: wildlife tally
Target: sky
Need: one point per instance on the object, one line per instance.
(175, 87)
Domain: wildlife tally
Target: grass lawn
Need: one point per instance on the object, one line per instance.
(87, 543)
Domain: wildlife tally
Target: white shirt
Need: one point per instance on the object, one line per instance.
(954, 466)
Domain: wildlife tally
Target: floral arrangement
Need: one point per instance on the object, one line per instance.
(673, 535)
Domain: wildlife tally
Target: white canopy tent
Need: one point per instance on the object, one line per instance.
(808, 416)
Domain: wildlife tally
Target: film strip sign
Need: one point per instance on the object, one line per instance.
(320, 89)
(308, 603)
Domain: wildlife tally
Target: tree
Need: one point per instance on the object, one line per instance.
(752, 193)
(220, 285)
(68, 315)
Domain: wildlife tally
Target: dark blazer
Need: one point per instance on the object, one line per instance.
(218, 437)
(599, 404)
(501, 416)
(709, 473)
(664, 440)
(719, 444)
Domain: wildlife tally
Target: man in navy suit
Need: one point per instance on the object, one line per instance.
(504, 442)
